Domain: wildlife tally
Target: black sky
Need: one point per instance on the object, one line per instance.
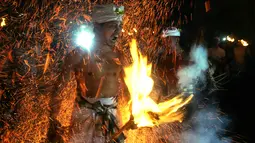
(235, 16)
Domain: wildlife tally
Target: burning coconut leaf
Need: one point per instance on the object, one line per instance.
(145, 111)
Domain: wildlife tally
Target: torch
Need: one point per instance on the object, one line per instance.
(129, 125)
(145, 112)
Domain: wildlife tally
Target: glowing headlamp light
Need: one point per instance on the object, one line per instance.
(119, 10)
(84, 37)
(228, 38)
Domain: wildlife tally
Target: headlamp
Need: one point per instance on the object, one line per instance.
(85, 37)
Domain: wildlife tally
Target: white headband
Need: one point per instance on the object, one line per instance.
(173, 32)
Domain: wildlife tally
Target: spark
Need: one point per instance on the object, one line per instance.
(3, 22)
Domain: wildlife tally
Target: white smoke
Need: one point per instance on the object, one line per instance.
(205, 123)
(207, 126)
(191, 74)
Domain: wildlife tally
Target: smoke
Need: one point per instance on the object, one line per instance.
(207, 128)
(191, 74)
(205, 124)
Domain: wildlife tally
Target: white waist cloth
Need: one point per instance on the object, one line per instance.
(86, 126)
(104, 101)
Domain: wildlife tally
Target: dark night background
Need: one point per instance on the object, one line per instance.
(238, 18)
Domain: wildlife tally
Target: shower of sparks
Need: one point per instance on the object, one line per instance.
(35, 38)
(34, 42)
(144, 20)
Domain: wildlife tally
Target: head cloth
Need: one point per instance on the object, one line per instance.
(171, 32)
(107, 13)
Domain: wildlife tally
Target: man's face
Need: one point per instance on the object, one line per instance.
(174, 41)
(110, 32)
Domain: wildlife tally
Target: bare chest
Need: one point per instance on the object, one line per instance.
(103, 65)
(101, 74)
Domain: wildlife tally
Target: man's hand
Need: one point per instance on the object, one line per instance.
(70, 62)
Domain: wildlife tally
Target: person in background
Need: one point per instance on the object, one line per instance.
(169, 58)
(217, 56)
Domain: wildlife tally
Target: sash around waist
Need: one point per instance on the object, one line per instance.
(104, 101)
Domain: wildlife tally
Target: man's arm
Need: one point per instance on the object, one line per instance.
(124, 62)
(69, 64)
(66, 86)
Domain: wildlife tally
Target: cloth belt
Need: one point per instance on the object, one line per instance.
(102, 108)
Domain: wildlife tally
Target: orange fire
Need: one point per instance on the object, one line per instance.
(244, 43)
(230, 39)
(145, 110)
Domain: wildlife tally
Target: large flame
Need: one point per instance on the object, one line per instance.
(146, 111)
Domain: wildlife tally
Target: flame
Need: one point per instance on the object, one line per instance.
(244, 43)
(146, 111)
(3, 22)
(230, 39)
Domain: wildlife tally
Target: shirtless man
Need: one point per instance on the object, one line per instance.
(169, 66)
(97, 74)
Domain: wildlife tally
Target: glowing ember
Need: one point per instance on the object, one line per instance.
(135, 30)
(3, 22)
(145, 111)
(244, 43)
(230, 39)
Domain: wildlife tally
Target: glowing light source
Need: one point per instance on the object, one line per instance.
(207, 6)
(135, 30)
(85, 37)
(3, 22)
(230, 39)
(244, 43)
